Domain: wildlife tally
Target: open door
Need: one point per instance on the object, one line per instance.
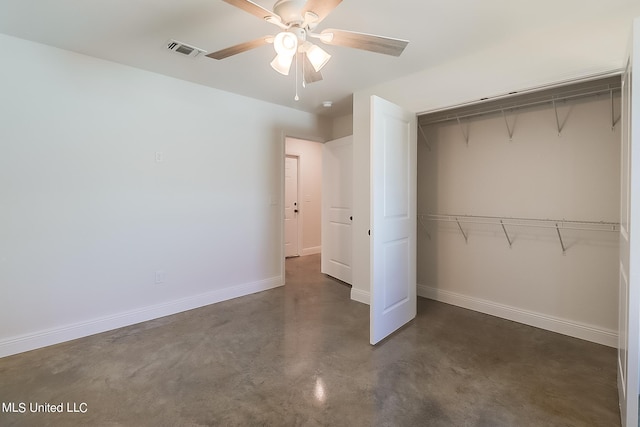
(337, 185)
(629, 306)
(393, 218)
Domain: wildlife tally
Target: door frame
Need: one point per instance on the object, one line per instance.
(628, 358)
(280, 206)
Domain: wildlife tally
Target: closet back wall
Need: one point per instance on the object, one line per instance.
(539, 174)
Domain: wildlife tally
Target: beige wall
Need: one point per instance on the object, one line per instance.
(310, 191)
(342, 126)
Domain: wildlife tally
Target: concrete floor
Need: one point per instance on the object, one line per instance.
(300, 355)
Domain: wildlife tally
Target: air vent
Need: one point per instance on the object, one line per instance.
(184, 49)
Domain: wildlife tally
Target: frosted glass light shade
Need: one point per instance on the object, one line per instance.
(318, 57)
(286, 44)
(282, 64)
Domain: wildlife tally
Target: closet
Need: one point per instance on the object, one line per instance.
(519, 207)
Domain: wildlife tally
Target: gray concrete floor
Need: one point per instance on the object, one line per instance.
(300, 355)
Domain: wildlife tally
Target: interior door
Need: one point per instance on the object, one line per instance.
(291, 206)
(337, 187)
(393, 218)
(629, 306)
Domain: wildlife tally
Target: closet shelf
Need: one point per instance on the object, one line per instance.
(526, 222)
(504, 222)
(512, 102)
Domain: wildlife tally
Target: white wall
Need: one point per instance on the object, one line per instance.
(310, 192)
(538, 175)
(88, 216)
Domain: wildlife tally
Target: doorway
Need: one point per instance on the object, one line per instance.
(302, 197)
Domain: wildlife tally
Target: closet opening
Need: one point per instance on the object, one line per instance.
(519, 208)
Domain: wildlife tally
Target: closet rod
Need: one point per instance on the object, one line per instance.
(515, 106)
(524, 222)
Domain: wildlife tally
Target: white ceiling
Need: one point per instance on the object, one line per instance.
(135, 32)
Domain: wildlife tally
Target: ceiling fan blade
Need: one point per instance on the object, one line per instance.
(320, 7)
(370, 42)
(310, 74)
(251, 7)
(239, 48)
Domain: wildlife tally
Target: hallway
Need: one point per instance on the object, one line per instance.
(300, 355)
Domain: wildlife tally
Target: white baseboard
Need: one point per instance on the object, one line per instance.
(583, 331)
(61, 334)
(360, 296)
(311, 251)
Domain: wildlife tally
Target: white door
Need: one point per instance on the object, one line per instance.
(628, 326)
(393, 218)
(291, 206)
(337, 184)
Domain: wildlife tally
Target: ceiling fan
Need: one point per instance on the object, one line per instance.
(297, 20)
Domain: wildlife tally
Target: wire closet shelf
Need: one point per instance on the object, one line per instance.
(504, 222)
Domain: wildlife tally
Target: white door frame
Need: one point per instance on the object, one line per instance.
(283, 155)
(629, 294)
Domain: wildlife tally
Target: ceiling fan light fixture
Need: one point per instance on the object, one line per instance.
(286, 46)
(282, 64)
(318, 57)
(297, 20)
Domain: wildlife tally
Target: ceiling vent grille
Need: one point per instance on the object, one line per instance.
(184, 49)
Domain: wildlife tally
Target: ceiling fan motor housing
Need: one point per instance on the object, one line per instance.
(289, 11)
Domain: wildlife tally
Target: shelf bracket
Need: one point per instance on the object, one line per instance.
(424, 227)
(506, 234)
(614, 121)
(466, 239)
(424, 136)
(465, 133)
(509, 130)
(555, 108)
(564, 249)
